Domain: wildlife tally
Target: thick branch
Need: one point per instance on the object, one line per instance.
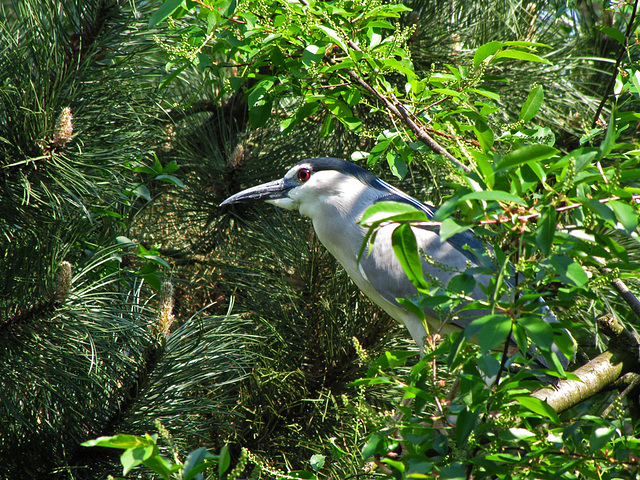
(627, 295)
(622, 356)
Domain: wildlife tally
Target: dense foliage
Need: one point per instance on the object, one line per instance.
(132, 303)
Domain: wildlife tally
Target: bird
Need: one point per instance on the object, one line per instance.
(334, 194)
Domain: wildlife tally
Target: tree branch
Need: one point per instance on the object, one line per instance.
(617, 67)
(398, 110)
(622, 356)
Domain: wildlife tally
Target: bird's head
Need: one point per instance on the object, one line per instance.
(312, 184)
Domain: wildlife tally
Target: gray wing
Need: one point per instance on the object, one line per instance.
(442, 260)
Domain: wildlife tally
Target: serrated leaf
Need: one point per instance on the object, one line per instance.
(532, 104)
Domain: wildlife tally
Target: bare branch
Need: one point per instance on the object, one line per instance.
(622, 356)
(623, 49)
(397, 109)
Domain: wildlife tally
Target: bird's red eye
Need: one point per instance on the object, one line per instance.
(304, 174)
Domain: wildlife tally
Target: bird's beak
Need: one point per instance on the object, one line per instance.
(267, 191)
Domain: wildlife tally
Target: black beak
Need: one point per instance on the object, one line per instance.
(266, 191)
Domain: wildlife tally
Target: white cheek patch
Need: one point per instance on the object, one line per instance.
(286, 203)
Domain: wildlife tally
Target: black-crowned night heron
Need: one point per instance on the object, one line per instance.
(334, 194)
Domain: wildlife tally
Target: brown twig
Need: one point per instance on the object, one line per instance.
(398, 110)
(617, 67)
(525, 218)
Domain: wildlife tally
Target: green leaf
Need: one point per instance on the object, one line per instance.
(159, 465)
(492, 196)
(520, 55)
(466, 423)
(117, 441)
(405, 247)
(539, 331)
(489, 330)
(515, 433)
(225, 460)
(528, 153)
(397, 165)
(546, 230)
(302, 475)
(392, 211)
(485, 166)
(166, 9)
(375, 444)
(614, 33)
(600, 209)
(625, 214)
(171, 179)
(333, 35)
(485, 51)
(455, 471)
(133, 457)
(568, 270)
(450, 227)
(600, 436)
(312, 54)
(192, 463)
(610, 138)
(484, 134)
(447, 91)
(462, 283)
(524, 43)
(317, 461)
(532, 104)
(539, 407)
(142, 191)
